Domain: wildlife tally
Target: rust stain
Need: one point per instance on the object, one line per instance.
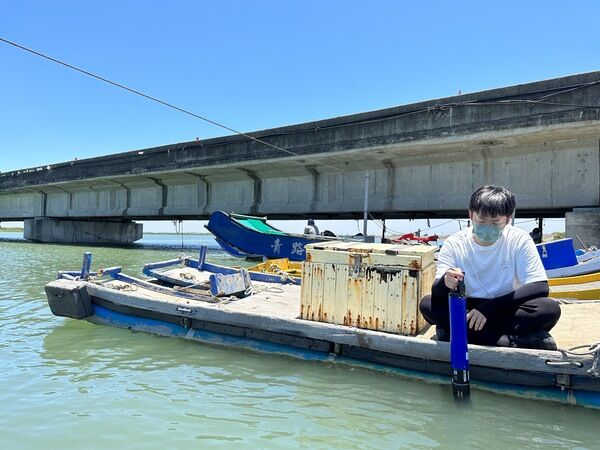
(301, 310)
(308, 257)
(320, 313)
(377, 323)
(415, 264)
(413, 329)
(325, 317)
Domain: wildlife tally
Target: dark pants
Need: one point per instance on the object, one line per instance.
(535, 314)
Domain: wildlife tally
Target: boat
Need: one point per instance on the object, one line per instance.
(577, 279)
(251, 237)
(581, 287)
(265, 317)
(560, 259)
(588, 266)
(186, 271)
(581, 291)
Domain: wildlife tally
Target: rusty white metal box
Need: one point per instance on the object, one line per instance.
(373, 286)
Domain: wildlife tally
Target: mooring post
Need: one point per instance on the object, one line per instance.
(86, 265)
(202, 257)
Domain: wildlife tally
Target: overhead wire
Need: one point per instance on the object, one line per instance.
(442, 107)
(379, 223)
(162, 102)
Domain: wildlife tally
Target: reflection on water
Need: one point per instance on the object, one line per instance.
(71, 384)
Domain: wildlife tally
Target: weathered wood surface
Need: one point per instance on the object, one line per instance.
(583, 291)
(338, 252)
(371, 286)
(277, 310)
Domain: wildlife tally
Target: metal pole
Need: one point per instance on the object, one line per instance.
(366, 211)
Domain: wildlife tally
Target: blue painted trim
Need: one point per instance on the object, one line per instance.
(107, 317)
(159, 265)
(232, 250)
(161, 289)
(212, 268)
(75, 274)
(228, 230)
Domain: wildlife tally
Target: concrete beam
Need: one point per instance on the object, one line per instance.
(532, 107)
(82, 232)
(541, 139)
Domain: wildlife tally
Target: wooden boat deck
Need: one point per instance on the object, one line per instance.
(579, 323)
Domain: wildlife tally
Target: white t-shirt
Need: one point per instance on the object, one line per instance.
(495, 270)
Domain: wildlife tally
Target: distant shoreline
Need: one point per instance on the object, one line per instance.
(10, 229)
(176, 234)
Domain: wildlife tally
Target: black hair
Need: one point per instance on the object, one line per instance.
(491, 201)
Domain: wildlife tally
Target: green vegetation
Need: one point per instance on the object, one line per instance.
(10, 229)
(558, 235)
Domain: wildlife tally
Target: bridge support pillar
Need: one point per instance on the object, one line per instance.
(583, 223)
(44, 229)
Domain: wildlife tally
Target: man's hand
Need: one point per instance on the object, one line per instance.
(476, 320)
(452, 277)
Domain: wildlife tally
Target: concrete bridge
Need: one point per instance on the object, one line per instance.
(542, 140)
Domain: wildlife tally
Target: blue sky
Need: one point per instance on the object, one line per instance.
(260, 64)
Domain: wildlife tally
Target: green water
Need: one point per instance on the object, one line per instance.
(67, 384)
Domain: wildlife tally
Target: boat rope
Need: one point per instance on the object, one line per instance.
(187, 276)
(126, 287)
(256, 289)
(570, 301)
(593, 349)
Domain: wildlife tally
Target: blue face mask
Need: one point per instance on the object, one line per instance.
(486, 233)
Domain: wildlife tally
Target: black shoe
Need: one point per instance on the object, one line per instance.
(539, 340)
(441, 334)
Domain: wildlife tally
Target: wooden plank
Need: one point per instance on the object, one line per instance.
(410, 305)
(326, 313)
(352, 317)
(380, 306)
(367, 302)
(394, 304)
(316, 304)
(340, 307)
(406, 261)
(426, 281)
(504, 358)
(328, 256)
(334, 245)
(306, 291)
(582, 291)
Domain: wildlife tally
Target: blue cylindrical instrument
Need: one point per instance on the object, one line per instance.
(459, 351)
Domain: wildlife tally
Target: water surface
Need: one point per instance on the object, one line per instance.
(68, 384)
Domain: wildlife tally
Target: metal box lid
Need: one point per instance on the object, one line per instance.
(342, 252)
